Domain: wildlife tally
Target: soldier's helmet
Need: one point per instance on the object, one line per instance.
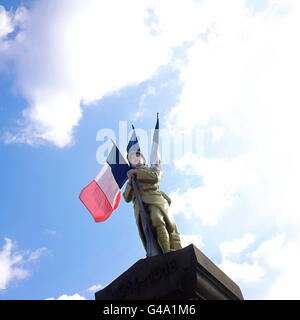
(135, 157)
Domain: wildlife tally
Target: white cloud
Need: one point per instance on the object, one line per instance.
(236, 245)
(95, 288)
(279, 256)
(35, 255)
(73, 53)
(5, 23)
(142, 107)
(245, 272)
(217, 133)
(68, 53)
(178, 203)
(187, 239)
(199, 202)
(50, 232)
(150, 92)
(242, 77)
(78, 296)
(240, 271)
(75, 296)
(9, 21)
(286, 260)
(82, 60)
(246, 68)
(272, 266)
(12, 263)
(223, 180)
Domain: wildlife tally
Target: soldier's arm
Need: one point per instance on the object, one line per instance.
(151, 175)
(166, 197)
(127, 194)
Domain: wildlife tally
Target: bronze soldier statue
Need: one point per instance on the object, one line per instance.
(156, 203)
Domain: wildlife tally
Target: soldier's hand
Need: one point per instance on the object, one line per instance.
(131, 173)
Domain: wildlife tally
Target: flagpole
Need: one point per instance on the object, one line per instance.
(113, 142)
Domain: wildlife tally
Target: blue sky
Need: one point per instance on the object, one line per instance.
(221, 74)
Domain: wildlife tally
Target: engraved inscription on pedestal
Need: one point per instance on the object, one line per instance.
(182, 274)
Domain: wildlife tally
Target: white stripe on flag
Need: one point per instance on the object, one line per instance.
(155, 155)
(106, 181)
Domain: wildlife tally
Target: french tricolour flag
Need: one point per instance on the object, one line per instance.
(103, 194)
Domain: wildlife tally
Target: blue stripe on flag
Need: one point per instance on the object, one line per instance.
(119, 166)
(133, 144)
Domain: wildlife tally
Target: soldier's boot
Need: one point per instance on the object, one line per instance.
(163, 238)
(175, 243)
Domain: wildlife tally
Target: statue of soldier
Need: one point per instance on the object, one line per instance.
(155, 201)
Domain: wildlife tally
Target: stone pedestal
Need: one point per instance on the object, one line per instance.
(179, 275)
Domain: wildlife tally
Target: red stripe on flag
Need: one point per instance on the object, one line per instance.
(95, 200)
(118, 198)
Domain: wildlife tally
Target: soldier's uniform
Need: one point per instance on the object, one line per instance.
(156, 203)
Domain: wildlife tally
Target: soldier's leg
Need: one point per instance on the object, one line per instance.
(174, 235)
(175, 243)
(159, 225)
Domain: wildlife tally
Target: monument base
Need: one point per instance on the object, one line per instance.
(179, 275)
